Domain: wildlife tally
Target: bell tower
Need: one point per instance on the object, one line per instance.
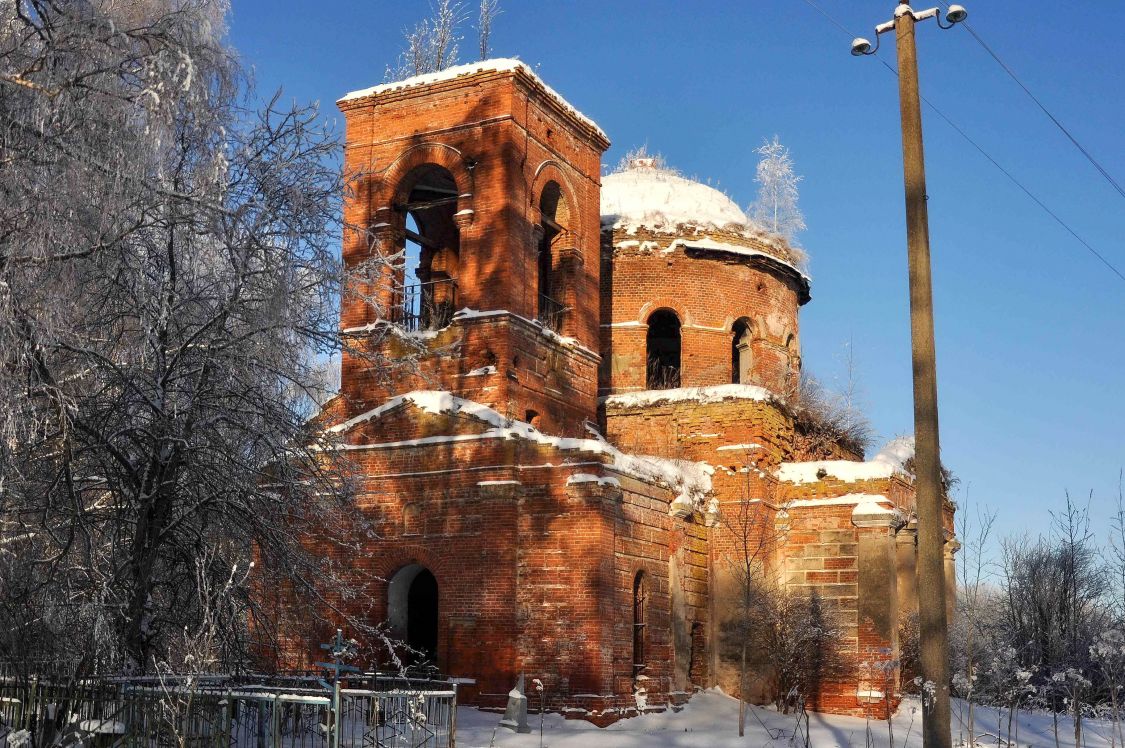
(474, 224)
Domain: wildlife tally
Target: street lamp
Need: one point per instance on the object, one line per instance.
(932, 624)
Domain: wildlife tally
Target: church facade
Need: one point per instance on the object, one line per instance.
(597, 437)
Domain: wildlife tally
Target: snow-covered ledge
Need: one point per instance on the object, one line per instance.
(890, 460)
(871, 514)
(690, 481)
(701, 395)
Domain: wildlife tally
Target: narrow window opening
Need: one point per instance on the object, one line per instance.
(697, 664)
(532, 417)
(640, 604)
(663, 348)
(741, 361)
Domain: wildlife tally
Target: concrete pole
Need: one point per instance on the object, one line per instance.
(931, 538)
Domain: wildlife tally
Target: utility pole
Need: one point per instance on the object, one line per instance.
(933, 626)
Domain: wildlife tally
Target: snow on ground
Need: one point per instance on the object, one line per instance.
(710, 720)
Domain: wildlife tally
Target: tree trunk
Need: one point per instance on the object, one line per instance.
(972, 729)
(1116, 715)
(742, 693)
(1077, 721)
(142, 561)
(1055, 718)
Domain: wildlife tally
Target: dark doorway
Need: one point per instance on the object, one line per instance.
(422, 614)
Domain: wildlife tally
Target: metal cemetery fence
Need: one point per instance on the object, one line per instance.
(110, 714)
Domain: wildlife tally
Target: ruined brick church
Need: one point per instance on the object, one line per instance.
(601, 419)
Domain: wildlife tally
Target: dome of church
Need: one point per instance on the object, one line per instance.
(647, 193)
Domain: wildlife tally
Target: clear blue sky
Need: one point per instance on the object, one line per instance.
(1031, 350)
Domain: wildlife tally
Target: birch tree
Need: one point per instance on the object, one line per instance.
(168, 280)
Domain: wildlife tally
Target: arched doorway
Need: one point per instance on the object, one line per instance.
(413, 609)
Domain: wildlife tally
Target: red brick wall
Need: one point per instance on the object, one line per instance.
(708, 293)
(503, 139)
(535, 575)
(533, 370)
(535, 572)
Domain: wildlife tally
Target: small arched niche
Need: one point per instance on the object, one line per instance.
(412, 609)
(741, 356)
(662, 349)
(425, 275)
(554, 220)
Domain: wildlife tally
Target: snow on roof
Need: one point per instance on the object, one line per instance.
(714, 394)
(889, 461)
(691, 480)
(645, 193)
(498, 65)
(709, 244)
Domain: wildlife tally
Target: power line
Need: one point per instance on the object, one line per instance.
(1062, 128)
(1025, 190)
(960, 131)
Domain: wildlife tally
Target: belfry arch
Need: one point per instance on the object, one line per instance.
(554, 220)
(425, 275)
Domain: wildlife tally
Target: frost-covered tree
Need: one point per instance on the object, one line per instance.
(169, 281)
(776, 206)
(432, 44)
(489, 9)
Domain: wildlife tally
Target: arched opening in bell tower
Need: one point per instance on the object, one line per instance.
(425, 269)
(554, 216)
(663, 350)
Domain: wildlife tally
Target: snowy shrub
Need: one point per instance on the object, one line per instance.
(828, 422)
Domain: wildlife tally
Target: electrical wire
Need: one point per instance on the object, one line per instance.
(1055, 120)
(960, 131)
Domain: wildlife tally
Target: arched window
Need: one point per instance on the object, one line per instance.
(553, 219)
(663, 350)
(640, 605)
(740, 358)
(426, 276)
